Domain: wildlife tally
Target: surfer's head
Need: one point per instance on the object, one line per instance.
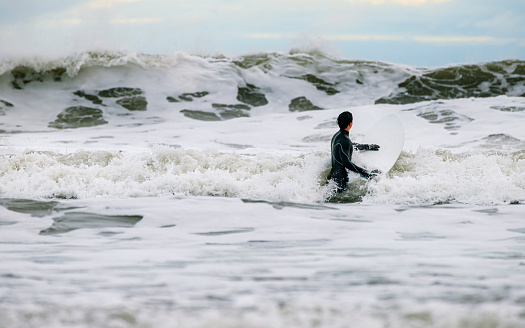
(344, 120)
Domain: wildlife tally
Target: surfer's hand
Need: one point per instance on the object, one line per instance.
(371, 174)
(366, 146)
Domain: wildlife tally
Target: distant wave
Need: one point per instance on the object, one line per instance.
(462, 81)
(364, 81)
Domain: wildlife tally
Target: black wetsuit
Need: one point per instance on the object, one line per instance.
(342, 149)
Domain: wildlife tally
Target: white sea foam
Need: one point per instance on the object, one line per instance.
(424, 177)
(275, 157)
(433, 177)
(335, 315)
(163, 171)
(212, 261)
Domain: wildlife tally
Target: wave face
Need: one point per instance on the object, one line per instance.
(131, 125)
(378, 82)
(463, 81)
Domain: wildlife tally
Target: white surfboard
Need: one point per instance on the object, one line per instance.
(389, 134)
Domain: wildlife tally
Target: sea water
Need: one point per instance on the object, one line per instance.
(188, 191)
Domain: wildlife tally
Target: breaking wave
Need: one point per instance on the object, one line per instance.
(366, 81)
(422, 178)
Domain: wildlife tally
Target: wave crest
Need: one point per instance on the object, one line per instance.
(379, 82)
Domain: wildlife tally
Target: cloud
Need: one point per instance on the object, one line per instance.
(266, 36)
(507, 22)
(401, 2)
(72, 21)
(136, 20)
(104, 4)
(418, 2)
(464, 39)
(364, 37)
(446, 39)
(378, 37)
(100, 12)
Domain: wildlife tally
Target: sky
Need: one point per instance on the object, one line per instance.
(414, 32)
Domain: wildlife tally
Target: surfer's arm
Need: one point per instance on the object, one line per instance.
(346, 162)
(366, 146)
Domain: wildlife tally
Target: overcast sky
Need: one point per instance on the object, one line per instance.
(414, 32)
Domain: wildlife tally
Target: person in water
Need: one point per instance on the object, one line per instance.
(342, 148)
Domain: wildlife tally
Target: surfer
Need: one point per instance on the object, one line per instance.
(342, 148)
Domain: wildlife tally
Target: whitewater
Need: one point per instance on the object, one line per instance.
(190, 191)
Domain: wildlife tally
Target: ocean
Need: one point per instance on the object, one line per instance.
(180, 190)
